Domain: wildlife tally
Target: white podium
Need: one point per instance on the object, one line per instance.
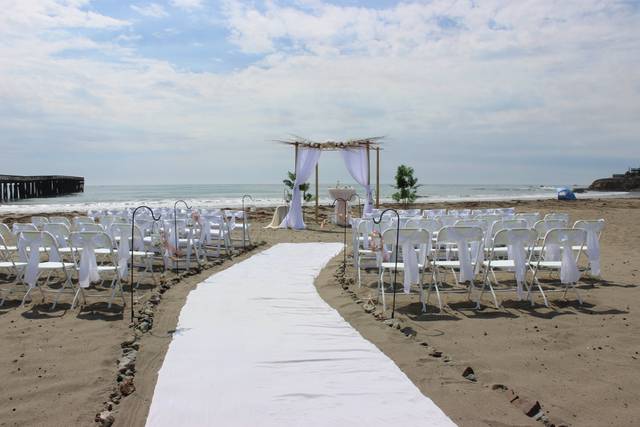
(341, 207)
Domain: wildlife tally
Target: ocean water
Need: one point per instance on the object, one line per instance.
(264, 195)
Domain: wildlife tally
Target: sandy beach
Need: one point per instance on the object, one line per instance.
(580, 362)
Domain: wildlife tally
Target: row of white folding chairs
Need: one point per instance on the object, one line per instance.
(471, 262)
(593, 228)
(29, 267)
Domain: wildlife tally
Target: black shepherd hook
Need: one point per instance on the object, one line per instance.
(344, 260)
(395, 270)
(133, 227)
(175, 229)
(244, 222)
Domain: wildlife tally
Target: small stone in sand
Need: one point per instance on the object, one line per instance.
(469, 374)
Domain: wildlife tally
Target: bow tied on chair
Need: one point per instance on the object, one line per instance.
(569, 272)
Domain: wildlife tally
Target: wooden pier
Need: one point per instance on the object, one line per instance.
(16, 187)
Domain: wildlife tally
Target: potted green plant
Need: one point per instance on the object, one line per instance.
(407, 186)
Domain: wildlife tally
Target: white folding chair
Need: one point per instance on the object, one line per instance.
(31, 244)
(413, 263)
(593, 229)
(88, 247)
(462, 238)
(565, 239)
(121, 234)
(12, 267)
(214, 234)
(362, 246)
(518, 243)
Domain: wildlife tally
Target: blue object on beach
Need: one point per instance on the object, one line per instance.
(565, 193)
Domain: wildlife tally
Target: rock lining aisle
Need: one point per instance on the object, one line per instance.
(257, 345)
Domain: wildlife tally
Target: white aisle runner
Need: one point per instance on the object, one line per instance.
(257, 346)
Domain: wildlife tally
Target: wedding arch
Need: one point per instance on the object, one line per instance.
(356, 154)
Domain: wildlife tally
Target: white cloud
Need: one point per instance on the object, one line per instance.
(187, 4)
(550, 81)
(151, 10)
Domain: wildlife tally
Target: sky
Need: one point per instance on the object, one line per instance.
(196, 91)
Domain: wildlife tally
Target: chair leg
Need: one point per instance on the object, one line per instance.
(421, 284)
(381, 290)
(75, 298)
(24, 298)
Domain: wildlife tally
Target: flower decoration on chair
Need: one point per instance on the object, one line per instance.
(195, 217)
(376, 245)
(170, 251)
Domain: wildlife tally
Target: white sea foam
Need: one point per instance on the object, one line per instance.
(236, 202)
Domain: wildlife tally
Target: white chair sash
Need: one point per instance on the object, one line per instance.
(467, 272)
(88, 267)
(593, 251)
(407, 244)
(569, 272)
(517, 252)
(32, 256)
(552, 252)
(123, 254)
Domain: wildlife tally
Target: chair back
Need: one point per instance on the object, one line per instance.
(432, 213)
(530, 217)
(19, 227)
(39, 221)
(448, 220)
(87, 227)
(591, 226)
(36, 240)
(431, 225)
(509, 236)
(507, 224)
(455, 234)
(542, 227)
(561, 216)
(416, 235)
(82, 220)
(565, 237)
(60, 220)
(60, 232)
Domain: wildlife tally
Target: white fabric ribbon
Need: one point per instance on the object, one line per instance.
(88, 268)
(31, 273)
(123, 255)
(552, 252)
(410, 260)
(517, 252)
(464, 257)
(593, 252)
(569, 272)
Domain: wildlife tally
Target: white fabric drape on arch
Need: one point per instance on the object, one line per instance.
(356, 161)
(306, 162)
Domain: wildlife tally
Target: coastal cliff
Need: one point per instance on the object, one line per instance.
(629, 181)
